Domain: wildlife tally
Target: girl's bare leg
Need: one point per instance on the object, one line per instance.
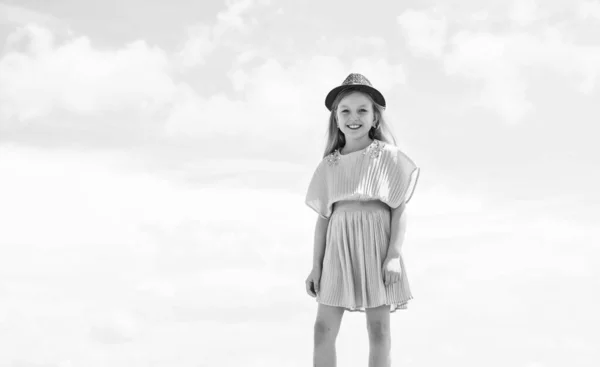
(380, 342)
(327, 326)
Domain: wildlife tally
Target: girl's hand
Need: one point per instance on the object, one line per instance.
(391, 270)
(312, 282)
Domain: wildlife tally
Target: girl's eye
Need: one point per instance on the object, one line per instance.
(361, 110)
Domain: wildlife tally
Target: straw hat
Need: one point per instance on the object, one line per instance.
(358, 82)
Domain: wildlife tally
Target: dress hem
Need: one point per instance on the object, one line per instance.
(399, 306)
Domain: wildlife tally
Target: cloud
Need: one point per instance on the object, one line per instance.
(486, 57)
(501, 60)
(38, 76)
(589, 9)
(177, 267)
(352, 47)
(114, 328)
(202, 39)
(274, 99)
(440, 201)
(232, 16)
(502, 63)
(70, 83)
(524, 12)
(13, 14)
(200, 43)
(130, 252)
(425, 31)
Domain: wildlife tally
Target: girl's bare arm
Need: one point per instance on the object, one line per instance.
(320, 237)
(397, 231)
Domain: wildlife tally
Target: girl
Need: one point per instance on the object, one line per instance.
(359, 189)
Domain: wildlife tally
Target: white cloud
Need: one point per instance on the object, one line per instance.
(378, 43)
(501, 61)
(439, 201)
(589, 9)
(167, 246)
(200, 42)
(202, 39)
(524, 12)
(39, 77)
(114, 327)
(232, 16)
(19, 15)
(245, 57)
(487, 57)
(164, 242)
(75, 77)
(352, 47)
(160, 241)
(425, 31)
(276, 99)
(479, 16)
(383, 75)
(272, 95)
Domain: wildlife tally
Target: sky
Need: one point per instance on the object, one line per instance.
(154, 158)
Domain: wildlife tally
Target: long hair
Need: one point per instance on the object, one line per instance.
(335, 137)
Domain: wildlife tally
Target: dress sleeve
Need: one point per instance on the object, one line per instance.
(405, 174)
(317, 193)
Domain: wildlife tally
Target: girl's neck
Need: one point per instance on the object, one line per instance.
(354, 146)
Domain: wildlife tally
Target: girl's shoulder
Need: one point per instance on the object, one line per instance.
(387, 149)
(394, 151)
(319, 168)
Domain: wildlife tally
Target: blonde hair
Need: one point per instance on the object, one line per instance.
(337, 140)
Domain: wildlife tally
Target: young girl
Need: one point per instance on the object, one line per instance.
(359, 189)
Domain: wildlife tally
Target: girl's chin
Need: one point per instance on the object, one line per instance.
(358, 136)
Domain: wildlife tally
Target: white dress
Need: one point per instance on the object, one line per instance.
(356, 191)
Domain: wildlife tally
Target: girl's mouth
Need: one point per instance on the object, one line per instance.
(354, 126)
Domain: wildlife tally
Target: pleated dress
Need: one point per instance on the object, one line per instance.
(356, 192)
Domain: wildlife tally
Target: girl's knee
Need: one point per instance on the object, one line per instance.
(379, 332)
(324, 332)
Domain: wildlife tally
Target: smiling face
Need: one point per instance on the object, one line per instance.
(355, 115)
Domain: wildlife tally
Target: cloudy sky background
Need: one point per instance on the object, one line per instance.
(154, 158)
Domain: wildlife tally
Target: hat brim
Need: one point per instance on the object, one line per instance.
(374, 93)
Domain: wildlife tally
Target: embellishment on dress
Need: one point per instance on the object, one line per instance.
(333, 158)
(374, 149)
